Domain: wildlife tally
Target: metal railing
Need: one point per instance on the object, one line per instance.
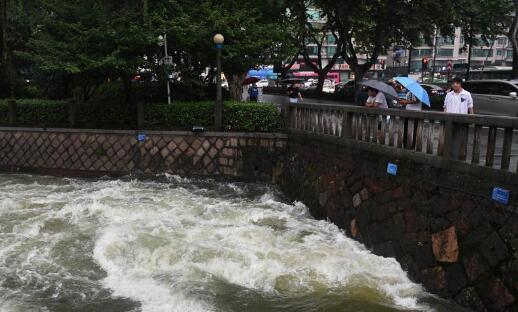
(473, 139)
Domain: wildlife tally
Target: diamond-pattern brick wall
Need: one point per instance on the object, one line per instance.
(85, 152)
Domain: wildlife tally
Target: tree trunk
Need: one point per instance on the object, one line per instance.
(515, 65)
(234, 84)
(7, 60)
(321, 79)
(359, 73)
(470, 50)
(126, 81)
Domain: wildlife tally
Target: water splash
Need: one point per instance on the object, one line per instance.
(174, 244)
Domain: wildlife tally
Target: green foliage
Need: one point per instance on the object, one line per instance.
(180, 116)
(37, 113)
(237, 116)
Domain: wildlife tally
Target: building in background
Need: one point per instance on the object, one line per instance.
(446, 53)
(452, 49)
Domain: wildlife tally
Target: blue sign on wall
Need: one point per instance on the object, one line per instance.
(501, 195)
(141, 137)
(392, 169)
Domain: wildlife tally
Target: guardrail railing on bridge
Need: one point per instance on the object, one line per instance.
(475, 139)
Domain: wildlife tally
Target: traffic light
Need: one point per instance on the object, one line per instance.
(425, 63)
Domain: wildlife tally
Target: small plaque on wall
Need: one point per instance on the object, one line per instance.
(392, 169)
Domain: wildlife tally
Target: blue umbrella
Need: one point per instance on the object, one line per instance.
(415, 88)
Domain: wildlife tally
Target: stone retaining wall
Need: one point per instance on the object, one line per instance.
(253, 156)
(441, 225)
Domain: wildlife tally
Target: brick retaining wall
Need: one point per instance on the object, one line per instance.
(441, 225)
(247, 156)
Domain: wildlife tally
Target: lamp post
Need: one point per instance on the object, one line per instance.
(218, 110)
(162, 41)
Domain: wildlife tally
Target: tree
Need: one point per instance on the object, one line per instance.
(14, 30)
(480, 21)
(512, 33)
(380, 25)
(255, 33)
(85, 43)
(317, 33)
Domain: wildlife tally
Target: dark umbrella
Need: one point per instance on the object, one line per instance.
(380, 86)
(250, 80)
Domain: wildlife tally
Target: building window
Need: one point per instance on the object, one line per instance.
(481, 53)
(502, 42)
(331, 51)
(331, 39)
(445, 52)
(445, 40)
(421, 52)
(509, 54)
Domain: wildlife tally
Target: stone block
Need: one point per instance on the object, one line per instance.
(474, 266)
(469, 298)
(445, 245)
(357, 200)
(434, 279)
(494, 294)
(354, 228)
(510, 273)
(364, 194)
(455, 278)
(494, 249)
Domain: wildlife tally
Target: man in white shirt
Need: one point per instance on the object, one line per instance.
(458, 101)
(376, 99)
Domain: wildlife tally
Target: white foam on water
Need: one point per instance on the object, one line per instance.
(163, 245)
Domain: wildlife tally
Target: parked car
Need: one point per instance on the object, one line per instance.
(263, 83)
(329, 86)
(437, 95)
(494, 97)
(346, 87)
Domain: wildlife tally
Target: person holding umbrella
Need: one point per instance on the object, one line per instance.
(253, 91)
(376, 91)
(246, 91)
(414, 100)
(415, 96)
(376, 99)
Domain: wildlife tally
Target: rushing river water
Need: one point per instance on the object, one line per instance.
(177, 245)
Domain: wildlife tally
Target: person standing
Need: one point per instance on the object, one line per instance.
(410, 102)
(253, 92)
(458, 101)
(294, 94)
(376, 99)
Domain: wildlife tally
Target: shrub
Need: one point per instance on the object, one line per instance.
(249, 117)
(37, 113)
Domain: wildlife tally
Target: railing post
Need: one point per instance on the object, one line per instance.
(11, 112)
(347, 125)
(448, 146)
(455, 141)
(285, 113)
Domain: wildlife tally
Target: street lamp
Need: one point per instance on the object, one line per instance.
(162, 41)
(218, 110)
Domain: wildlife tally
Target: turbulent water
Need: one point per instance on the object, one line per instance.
(171, 244)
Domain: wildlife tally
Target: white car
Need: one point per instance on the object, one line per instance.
(329, 86)
(262, 83)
